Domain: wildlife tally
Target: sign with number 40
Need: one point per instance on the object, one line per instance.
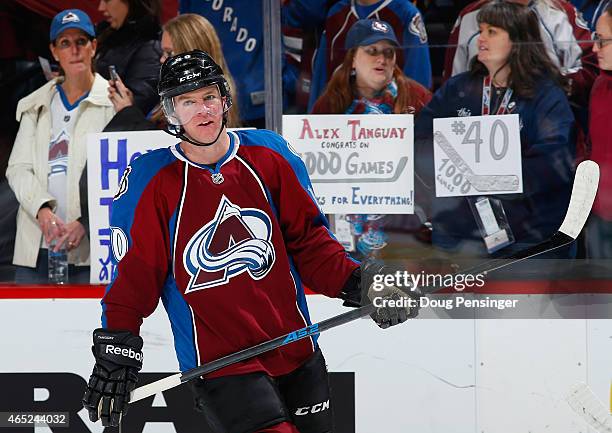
(478, 155)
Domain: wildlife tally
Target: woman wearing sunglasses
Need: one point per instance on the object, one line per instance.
(369, 81)
(50, 151)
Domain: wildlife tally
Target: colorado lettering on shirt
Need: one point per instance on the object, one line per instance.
(242, 33)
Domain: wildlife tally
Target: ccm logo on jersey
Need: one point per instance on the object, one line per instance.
(319, 407)
(301, 333)
(130, 353)
(189, 76)
(237, 240)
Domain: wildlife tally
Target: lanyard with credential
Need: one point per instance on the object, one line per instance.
(486, 98)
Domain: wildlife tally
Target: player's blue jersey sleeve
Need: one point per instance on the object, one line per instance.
(139, 246)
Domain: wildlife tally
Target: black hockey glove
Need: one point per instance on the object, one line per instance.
(118, 360)
(394, 306)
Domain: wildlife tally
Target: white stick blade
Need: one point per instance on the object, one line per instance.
(583, 195)
(586, 404)
(155, 387)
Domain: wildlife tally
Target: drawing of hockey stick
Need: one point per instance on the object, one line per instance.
(398, 171)
(481, 183)
(581, 201)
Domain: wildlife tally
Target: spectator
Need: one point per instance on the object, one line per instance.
(561, 29)
(407, 24)
(513, 67)
(129, 40)
(50, 149)
(599, 228)
(186, 32)
(369, 82)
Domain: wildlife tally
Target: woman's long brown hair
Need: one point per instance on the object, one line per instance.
(340, 90)
(528, 60)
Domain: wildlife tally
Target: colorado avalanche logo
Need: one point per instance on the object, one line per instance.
(237, 240)
(380, 27)
(70, 17)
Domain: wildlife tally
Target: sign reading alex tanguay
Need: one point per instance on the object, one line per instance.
(357, 163)
(108, 155)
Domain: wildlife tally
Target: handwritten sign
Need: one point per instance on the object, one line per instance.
(479, 155)
(357, 163)
(108, 155)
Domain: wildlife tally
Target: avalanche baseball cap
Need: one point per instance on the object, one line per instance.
(71, 19)
(367, 32)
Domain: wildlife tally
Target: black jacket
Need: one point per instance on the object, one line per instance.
(135, 50)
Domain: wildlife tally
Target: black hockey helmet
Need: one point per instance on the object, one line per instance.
(190, 71)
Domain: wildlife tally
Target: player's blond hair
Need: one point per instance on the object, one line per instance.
(190, 32)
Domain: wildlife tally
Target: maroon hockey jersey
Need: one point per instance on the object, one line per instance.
(227, 249)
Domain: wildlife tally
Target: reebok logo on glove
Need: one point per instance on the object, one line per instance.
(112, 350)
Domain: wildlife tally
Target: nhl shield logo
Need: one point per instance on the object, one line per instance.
(237, 240)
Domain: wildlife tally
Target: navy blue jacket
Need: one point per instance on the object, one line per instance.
(547, 149)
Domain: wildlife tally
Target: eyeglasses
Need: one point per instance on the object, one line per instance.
(66, 43)
(601, 42)
(388, 53)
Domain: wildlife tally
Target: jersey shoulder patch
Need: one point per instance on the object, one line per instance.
(417, 28)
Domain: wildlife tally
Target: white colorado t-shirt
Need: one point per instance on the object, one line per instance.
(63, 117)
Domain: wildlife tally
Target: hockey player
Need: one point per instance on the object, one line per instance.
(224, 228)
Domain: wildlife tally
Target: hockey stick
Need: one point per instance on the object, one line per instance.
(583, 194)
(586, 404)
(309, 331)
(581, 201)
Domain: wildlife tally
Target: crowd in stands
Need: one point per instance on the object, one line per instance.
(550, 61)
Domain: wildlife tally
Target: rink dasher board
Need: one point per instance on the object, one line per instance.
(460, 375)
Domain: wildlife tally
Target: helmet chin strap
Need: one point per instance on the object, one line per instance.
(181, 134)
